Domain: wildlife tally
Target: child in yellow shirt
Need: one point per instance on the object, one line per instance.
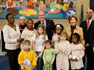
(27, 58)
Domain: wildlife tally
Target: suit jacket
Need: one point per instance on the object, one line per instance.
(50, 27)
(88, 34)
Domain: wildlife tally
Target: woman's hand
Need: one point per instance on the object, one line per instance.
(20, 39)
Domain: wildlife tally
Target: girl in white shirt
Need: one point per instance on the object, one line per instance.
(29, 32)
(39, 38)
(77, 53)
(62, 49)
(58, 30)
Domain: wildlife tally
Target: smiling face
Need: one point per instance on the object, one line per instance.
(74, 39)
(11, 19)
(30, 23)
(89, 14)
(40, 30)
(73, 22)
(63, 37)
(41, 16)
(22, 20)
(26, 46)
(48, 45)
(58, 30)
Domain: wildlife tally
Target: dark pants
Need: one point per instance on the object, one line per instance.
(90, 62)
(90, 58)
(54, 64)
(13, 59)
(78, 69)
(39, 62)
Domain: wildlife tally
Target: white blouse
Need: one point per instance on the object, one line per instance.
(77, 52)
(28, 35)
(10, 37)
(55, 38)
(39, 43)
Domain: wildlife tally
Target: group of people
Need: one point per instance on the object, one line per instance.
(45, 45)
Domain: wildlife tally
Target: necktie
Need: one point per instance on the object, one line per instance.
(88, 25)
(43, 22)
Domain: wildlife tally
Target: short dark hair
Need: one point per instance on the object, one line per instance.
(77, 35)
(30, 20)
(70, 17)
(61, 26)
(48, 41)
(7, 15)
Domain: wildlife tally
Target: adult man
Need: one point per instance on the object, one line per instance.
(49, 24)
(22, 23)
(88, 29)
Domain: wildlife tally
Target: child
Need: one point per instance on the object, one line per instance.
(27, 58)
(48, 55)
(29, 32)
(62, 49)
(77, 53)
(58, 30)
(39, 38)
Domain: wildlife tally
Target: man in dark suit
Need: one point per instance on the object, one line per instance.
(49, 24)
(88, 30)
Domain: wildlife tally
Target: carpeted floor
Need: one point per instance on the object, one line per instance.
(4, 65)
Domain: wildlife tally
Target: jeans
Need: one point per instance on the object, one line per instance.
(39, 62)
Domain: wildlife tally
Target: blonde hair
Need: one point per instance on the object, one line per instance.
(44, 31)
(61, 35)
(27, 41)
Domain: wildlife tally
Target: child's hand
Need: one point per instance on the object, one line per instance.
(60, 50)
(43, 45)
(83, 48)
(40, 54)
(22, 68)
(75, 59)
(48, 62)
(33, 67)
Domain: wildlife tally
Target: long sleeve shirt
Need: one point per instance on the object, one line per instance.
(30, 56)
(76, 51)
(10, 37)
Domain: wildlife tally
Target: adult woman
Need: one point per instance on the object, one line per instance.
(74, 28)
(12, 38)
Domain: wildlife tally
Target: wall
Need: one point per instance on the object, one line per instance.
(85, 4)
(57, 21)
